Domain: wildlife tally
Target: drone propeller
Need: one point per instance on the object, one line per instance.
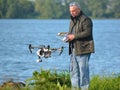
(32, 47)
(48, 47)
(61, 50)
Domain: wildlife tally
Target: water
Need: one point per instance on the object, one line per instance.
(17, 63)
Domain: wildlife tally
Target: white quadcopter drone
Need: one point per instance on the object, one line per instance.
(45, 51)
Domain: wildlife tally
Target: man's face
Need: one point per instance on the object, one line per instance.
(74, 11)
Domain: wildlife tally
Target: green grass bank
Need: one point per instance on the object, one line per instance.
(51, 80)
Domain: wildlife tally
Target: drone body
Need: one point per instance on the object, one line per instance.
(45, 51)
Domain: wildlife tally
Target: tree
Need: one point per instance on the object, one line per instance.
(98, 8)
(27, 8)
(16, 8)
(13, 10)
(113, 8)
(3, 8)
(57, 8)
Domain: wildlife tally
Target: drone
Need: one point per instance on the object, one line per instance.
(44, 51)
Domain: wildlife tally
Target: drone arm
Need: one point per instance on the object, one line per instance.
(59, 49)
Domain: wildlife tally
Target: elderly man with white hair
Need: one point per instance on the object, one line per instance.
(81, 45)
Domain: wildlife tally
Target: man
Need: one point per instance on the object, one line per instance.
(81, 46)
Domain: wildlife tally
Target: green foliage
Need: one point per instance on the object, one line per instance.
(46, 80)
(105, 83)
(16, 9)
(57, 9)
(98, 8)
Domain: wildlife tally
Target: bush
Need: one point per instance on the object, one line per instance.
(46, 80)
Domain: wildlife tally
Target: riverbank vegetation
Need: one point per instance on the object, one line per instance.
(47, 80)
(57, 9)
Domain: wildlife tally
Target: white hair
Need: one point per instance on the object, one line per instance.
(74, 4)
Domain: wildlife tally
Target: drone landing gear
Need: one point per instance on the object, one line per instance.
(39, 59)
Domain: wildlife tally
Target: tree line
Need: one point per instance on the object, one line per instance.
(57, 9)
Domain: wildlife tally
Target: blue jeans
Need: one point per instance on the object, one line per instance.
(79, 71)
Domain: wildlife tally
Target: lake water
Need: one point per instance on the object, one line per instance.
(17, 63)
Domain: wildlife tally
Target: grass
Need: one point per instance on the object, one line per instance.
(47, 80)
(105, 83)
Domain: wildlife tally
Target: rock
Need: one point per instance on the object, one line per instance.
(12, 85)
